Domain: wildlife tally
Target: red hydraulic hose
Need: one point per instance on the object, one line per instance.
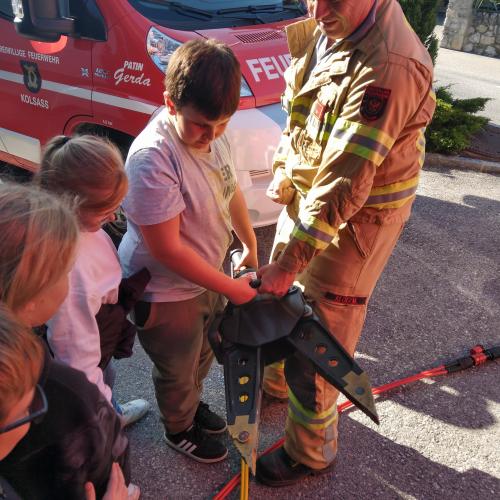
(440, 370)
(478, 355)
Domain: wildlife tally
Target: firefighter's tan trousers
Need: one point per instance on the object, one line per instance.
(348, 271)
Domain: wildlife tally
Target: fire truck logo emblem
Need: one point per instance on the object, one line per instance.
(31, 76)
(374, 102)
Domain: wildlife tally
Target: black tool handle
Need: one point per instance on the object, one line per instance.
(235, 256)
(459, 364)
(478, 355)
(493, 352)
(243, 372)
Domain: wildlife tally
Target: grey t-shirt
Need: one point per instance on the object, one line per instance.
(167, 178)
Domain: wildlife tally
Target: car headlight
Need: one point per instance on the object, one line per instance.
(17, 9)
(160, 48)
(245, 89)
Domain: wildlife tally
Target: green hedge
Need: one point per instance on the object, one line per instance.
(454, 122)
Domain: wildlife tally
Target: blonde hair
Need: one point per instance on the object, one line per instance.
(21, 357)
(84, 167)
(39, 233)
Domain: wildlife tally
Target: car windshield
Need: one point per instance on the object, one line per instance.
(193, 15)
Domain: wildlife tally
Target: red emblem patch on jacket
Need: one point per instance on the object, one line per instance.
(374, 102)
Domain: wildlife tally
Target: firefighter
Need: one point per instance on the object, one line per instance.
(359, 97)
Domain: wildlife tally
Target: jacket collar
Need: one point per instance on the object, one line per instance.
(363, 29)
(304, 34)
(47, 360)
(301, 36)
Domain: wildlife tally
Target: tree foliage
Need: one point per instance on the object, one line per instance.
(422, 15)
(455, 121)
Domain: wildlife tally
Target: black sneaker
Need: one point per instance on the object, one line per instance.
(208, 420)
(198, 445)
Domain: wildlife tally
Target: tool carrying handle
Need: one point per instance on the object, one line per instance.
(235, 256)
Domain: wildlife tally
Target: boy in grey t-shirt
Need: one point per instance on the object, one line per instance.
(182, 204)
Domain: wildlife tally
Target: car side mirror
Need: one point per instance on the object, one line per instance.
(44, 21)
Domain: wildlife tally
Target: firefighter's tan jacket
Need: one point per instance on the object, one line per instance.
(354, 142)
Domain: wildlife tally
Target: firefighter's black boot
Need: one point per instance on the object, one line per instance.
(278, 469)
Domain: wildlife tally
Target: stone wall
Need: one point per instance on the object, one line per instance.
(470, 30)
(456, 24)
(483, 35)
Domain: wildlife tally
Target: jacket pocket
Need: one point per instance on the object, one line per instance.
(319, 124)
(311, 151)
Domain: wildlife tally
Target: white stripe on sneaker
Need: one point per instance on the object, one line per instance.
(191, 449)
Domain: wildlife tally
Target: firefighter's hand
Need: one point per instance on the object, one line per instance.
(281, 189)
(275, 280)
(240, 291)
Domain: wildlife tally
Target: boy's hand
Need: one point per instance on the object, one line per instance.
(281, 189)
(241, 292)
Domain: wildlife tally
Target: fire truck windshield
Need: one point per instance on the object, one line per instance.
(193, 15)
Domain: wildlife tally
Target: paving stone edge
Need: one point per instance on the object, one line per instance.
(437, 160)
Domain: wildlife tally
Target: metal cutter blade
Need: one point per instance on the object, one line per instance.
(333, 363)
(245, 437)
(359, 390)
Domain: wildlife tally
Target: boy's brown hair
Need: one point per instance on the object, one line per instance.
(84, 167)
(21, 356)
(206, 75)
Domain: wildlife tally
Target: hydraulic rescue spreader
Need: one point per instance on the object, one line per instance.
(248, 337)
(478, 356)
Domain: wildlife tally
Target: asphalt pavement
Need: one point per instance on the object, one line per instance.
(438, 439)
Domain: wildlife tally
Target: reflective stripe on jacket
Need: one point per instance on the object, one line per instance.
(354, 142)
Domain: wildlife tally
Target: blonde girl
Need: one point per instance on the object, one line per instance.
(90, 170)
(38, 241)
(80, 435)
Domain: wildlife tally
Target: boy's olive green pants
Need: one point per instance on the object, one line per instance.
(338, 282)
(174, 335)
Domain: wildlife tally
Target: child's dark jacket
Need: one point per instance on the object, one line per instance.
(77, 441)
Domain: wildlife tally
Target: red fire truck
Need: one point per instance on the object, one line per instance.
(73, 66)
